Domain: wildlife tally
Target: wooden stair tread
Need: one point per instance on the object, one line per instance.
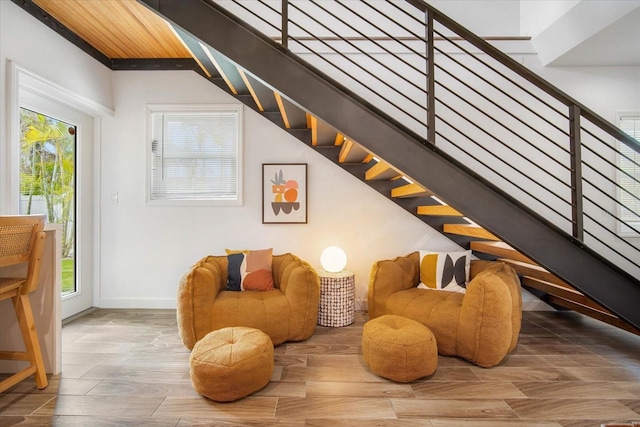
(499, 249)
(283, 111)
(536, 271)
(292, 116)
(227, 71)
(550, 288)
(381, 171)
(469, 230)
(261, 94)
(321, 133)
(196, 50)
(438, 210)
(593, 313)
(351, 152)
(252, 91)
(569, 294)
(410, 190)
(571, 298)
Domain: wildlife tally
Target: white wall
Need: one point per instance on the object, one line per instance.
(537, 15)
(36, 47)
(485, 18)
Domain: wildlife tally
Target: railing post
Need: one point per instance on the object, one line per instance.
(575, 148)
(431, 92)
(285, 23)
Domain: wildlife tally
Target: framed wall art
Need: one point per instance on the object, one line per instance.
(284, 193)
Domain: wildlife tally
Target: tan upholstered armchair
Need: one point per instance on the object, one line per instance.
(481, 325)
(287, 313)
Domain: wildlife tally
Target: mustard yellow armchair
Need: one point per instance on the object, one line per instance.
(481, 325)
(287, 313)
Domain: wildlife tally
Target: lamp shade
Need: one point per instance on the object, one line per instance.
(333, 259)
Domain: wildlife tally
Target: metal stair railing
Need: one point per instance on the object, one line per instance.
(456, 91)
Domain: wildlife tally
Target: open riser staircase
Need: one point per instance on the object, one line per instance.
(423, 153)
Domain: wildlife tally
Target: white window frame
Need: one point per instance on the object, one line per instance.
(196, 109)
(624, 231)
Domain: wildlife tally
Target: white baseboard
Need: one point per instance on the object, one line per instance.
(150, 303)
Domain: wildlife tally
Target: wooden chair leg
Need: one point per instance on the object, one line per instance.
(22, 305)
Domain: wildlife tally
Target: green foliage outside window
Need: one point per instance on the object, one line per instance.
(47, 166)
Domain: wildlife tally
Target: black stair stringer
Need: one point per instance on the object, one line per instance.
(521, 228)
(384, 187)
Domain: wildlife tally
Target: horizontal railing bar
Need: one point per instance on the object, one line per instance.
(375, 42)
(509, 95)
(527, 74)
(606, 244)
(355, 63)
(516, 84)
(363, 69)
(507, 146)
(498, 55)
(363, 84)
(416, 37)
(388, 37)
(615, 184)
(607, 211)
(531, 110)
(394, 4)
(610, 163)
(418, 4)
(614, 149)
(510, 114)
(399, 38)
(258, 16)
(629, 159)
(497, 172)
(611, 130)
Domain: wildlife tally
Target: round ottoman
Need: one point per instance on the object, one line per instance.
(399, 349)
(231, 363)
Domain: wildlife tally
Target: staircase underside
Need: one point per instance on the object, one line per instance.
(348, 131)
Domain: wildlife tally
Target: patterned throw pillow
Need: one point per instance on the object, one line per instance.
(448, 271)
(249, 270)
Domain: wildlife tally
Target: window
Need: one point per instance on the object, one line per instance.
(195, 155)
(629, 161)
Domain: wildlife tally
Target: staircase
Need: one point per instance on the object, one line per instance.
(554, 229)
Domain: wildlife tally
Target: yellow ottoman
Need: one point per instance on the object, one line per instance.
(231, 363)
(399, 349)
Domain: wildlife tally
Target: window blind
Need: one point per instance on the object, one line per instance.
(195, 155)
(630, 176)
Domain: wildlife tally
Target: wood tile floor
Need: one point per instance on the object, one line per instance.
(129, 367)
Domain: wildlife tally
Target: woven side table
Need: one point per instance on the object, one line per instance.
(337, 298)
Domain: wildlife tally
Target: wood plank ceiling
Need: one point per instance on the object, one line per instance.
(119, 29)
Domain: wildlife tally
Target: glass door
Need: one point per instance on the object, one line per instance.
(56, 179)
(47, 181)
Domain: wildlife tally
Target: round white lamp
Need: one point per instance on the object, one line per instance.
(333, 259)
